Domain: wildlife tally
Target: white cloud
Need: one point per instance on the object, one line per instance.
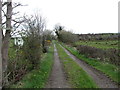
(82, 16)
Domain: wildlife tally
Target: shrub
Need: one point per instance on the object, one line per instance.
(17, 65)
(32, 50)
(67, 37)
(23, 59)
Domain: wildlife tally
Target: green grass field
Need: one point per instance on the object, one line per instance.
(38, 77)
(110, 70)
(100, 44)
(77, 77)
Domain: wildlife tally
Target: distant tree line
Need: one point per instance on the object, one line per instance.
(104, 36)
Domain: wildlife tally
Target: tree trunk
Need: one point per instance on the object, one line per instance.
(6, 39)
(0, 44)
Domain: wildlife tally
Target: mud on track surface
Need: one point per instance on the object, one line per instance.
(101, 80)
(57, 78)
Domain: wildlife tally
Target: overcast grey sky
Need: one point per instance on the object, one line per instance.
(80, 16)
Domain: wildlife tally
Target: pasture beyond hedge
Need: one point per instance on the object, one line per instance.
(102, 44)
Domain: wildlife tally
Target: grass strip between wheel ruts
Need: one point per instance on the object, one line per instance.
(77, 77)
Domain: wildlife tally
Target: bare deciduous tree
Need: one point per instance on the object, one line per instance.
(6, 38)
(57, 30)
(34, 24)
(0, 44)
(33, 27)
(7, 24)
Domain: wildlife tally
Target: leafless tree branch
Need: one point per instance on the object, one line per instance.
(5, 3)
(15, 13)
(3, 23)
(16, 5)
(4, 13)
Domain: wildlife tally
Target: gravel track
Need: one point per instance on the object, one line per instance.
(57, 78)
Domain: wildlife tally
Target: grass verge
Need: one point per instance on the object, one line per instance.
(38, 78)
(108, 69)
(77, 77)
